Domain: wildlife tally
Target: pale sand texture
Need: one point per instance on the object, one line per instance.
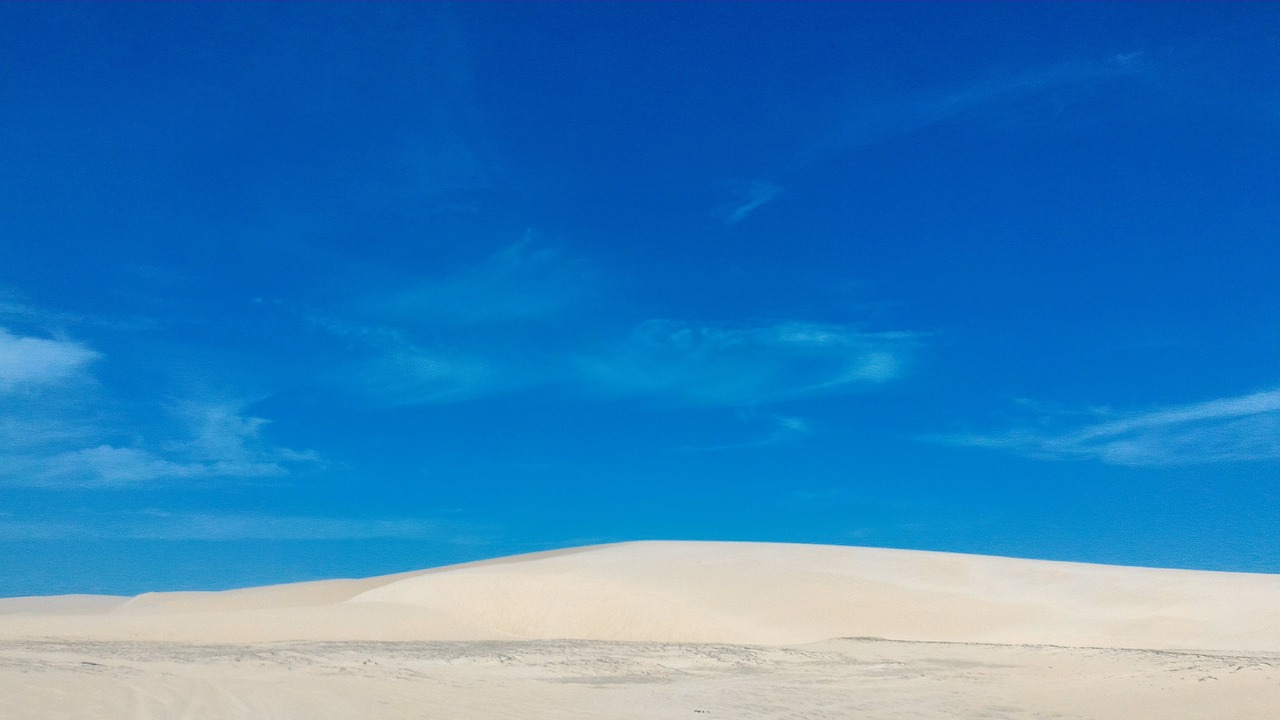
(737, 630)
(564, 680)
(708, 592)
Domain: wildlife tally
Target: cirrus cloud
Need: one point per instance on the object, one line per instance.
(1242, 428)
(27, 361)
(747, 365)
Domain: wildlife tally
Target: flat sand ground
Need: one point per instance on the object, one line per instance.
(870, 679)
(666, 630)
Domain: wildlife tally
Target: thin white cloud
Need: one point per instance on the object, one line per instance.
(106, 465)
(18, 313)
(395, 370)
(497, 327)
(164, 526)
(412, 375)
(27, 362)
(778, 429)
(749, 365)
(753, 195)
(228, 443)
(12, 310)
(873, 122)
(791, 424)
(208, 526)
(220, 443)
(26, 530)
(478, 331)
(1243, 428)
(28, 425)
(523, 282)
(61, 428)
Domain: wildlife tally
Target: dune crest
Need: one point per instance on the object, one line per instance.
(743, 593)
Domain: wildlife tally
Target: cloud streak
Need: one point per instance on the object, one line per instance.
(749, 365)
(220, 443)
(501, 326)
(523, 282)
(226, 527)
(31, 362)
(415, 375)
(754, 195)
(394, 369)
(59, 427)
(1234, 429)
(877, 121)
(778, 429)
(482, 330)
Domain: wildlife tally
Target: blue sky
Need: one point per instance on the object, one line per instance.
(299, 291)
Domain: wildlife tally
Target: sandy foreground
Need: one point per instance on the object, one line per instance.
(666, 630)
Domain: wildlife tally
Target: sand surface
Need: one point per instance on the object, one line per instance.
(666, 629)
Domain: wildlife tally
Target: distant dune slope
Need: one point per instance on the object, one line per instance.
(710, 592)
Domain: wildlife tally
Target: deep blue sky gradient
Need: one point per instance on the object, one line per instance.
(296, 291)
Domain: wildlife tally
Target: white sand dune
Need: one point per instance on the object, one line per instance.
(735, 630)
(701, 592)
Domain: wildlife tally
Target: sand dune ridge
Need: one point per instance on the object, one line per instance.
(745, 593)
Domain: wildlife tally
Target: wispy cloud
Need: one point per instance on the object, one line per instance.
(100, 466)
(750, 197)
(28, 425)
(18, 312)
(61, 427)
(228, 442)
(395, 369)
(523, 282)
(502, 326)
(1228, 429)
(750, 365)
(218, 442)
(872, 122)
(27, 361)
(777, 429)
(414, 375)
(13, 310)
(483, 329)
(165, 526)
(209, 526)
